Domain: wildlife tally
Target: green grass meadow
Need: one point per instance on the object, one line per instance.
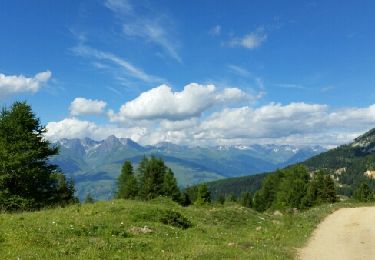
(126, 229)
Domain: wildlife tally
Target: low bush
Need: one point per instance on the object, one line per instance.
(176, 219)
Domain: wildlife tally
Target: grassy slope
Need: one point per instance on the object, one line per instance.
(103, 230)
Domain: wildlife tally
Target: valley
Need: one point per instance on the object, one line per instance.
(95, 165)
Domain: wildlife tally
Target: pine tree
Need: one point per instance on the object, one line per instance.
(266, 196)
(127, 187)
(329, 192)
(364, 193)
(292, 188)
(221, 199)
(156, 179)
(170, 188)
(260, 203)
(203, 195)
(151, 173)
(321, 189)
(185, 200)
(27, 180)
(246, 199)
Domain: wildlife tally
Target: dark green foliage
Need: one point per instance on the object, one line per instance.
(127, 187)
(364, 193)
(259, 201)
(231, 198)
(203, 195)
(176, 219)
(151, 175)
(192, 192)
(89, 199)
(170, 187)
(292, 188)
(27, 180)
(221, 199)
(321, 189)
(64, 190)
(236, 186)
(154, 179)
(185, 199)
(328, 193)
(264, 197)
(246, 199)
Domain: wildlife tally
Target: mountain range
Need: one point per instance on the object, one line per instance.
(95, 165)
(349, 165)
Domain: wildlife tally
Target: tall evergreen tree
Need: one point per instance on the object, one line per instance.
(246, 199)
(266, 196)
(156, 179)
(127, 187)
(27, 180)
(151, 173)
(292, 188)
(221, 199)
(203, 195)
(170, 187)
(329, 191)
(185, 199)
(321, 189)
(364, 193)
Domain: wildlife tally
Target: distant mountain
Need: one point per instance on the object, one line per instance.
(95, 165)
(348, 164)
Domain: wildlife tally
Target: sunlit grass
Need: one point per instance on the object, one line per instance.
(123, 229)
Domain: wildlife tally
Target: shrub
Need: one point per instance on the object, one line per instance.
(176, 219)
(364, 193)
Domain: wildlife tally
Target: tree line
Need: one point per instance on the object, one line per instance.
(152, 179)
(27, 180)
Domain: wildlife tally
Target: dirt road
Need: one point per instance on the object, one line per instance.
(345, 234)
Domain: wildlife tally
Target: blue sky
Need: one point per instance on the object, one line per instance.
(299, 72)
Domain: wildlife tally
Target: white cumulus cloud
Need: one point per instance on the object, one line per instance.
(83, 106)
(162, 103)
(15, 84)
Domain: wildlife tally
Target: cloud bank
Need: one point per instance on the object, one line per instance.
(16, 84)
(205, 115)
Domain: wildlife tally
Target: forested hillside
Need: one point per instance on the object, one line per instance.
(346, 164)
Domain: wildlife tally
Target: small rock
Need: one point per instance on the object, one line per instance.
(259, 228)
(140, 230)
(231, 244)
(277, 213)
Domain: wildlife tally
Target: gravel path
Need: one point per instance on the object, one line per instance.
(348, 233)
